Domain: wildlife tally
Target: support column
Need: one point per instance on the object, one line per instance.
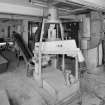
(92, 34)
(85, 35)
(25, 31)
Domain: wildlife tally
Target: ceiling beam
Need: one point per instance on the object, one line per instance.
(20, 9)
(39, 3)
(70, 17)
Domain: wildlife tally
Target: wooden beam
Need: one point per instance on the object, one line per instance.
(70, 17)
(20, 17)
(20, 9)
(63, 12)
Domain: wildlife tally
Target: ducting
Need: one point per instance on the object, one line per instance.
(52, 14)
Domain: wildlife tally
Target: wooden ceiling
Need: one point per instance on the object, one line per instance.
(64, 6)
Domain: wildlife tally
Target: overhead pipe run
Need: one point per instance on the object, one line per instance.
(52, 14)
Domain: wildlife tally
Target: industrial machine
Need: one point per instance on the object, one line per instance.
(62, 84)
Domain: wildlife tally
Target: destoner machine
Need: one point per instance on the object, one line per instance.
(61, 84)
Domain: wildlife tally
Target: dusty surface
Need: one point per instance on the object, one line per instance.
(24, 91)
(93, 89)
(20, 89)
